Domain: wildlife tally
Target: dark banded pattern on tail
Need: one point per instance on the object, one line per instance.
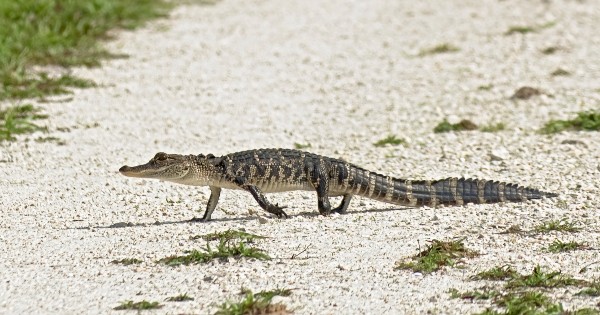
(449, 191)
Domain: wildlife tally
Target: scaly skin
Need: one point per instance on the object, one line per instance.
(277, 170)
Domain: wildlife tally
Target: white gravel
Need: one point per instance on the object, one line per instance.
(339, 75)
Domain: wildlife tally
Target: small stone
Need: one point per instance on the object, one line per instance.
(526, 93)
(499, 154)
(262, 220)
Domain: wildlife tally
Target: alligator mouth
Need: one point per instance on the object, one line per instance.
(135, 171)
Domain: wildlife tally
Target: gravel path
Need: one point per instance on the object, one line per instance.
(337, 75)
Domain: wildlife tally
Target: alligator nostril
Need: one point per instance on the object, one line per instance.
(124, 169)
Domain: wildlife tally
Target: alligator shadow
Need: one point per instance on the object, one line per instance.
(306, 214)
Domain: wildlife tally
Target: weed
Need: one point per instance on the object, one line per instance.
(437, 255)
(513, 229)
(493, 127)
(142, 305)
(483, 294)
(463, 125)
(589, 121)
(180, 298)
(528, 29)
(228, 235)
(560, 72)
(541, 279)
(17, 120)
(592, 290)
(496, 274)
(559, 246)
(225, 249)
(486, 87)
(259, 303)
(301, 146)
(439, 49)
(56, 140)
(550, 50)
(127, 261)
(557, 225)
(391, 140)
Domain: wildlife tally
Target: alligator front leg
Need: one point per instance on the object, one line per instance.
(261, 199)
(215, 192)
(343, 207)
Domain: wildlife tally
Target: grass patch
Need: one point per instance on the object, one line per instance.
(437, 255)
(63, 33)
(493, 127)
(301, 146)
(256, 303)
(18, 120)
(523, 29)
(481, 294)
(540, 279)
(463, 125)
(439, 49)
(561, 225)
(588, 121)
(486, 87)
(180, 298)
(391, 140)
(496, 274)
(142, 305)
(127, 261)
(559, 246)
(592, 290)
(231, 244)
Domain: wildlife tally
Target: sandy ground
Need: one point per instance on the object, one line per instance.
(339, 75)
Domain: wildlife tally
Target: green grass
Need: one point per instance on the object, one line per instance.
(180, 298)
(391, 140)
(493, 127)
(463, 125)
(301, 146)
(142, 305)
(255, 303)
(229, 246)
(588, 121)
(592, 290)
(439, 49)
(541, 279)
(559, 246)
(496, 274)
(127, 261)
(437, 255)
(481, 294)
(562, 225)
(63, 33)
(18, 120)
(524, 29)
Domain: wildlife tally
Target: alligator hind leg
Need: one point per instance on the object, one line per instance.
(343, 207)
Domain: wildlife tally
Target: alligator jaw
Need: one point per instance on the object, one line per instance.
(135, 171)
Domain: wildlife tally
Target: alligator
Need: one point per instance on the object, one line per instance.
(277, 170)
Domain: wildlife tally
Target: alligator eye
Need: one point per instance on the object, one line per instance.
(161, 156)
